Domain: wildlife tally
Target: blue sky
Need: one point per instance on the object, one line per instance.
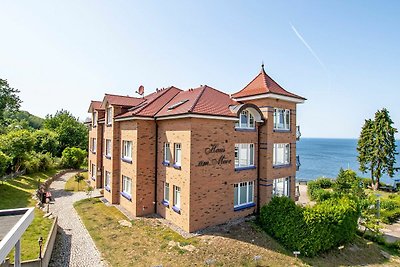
(65, 54)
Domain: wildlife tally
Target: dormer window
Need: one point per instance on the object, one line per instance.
(94, 119)
(246, 120)
(109, 116)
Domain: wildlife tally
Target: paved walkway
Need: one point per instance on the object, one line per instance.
(74, 246)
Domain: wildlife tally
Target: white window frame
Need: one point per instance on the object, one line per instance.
(285, 148)
(94, 119)
(107, 179)
(127, 149)
(239, 155)
(93, 171)
(166, 192)
(249, 193)
(109, 115)
(280, 113)
(178, 159)
(167, 152)
(108, 147)
(250, 120)
(284, 183)
(94, 144)
(127, 185)
(177, 197)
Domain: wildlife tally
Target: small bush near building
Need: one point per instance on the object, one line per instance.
(73, 157)
(317, 190)
(310, 230)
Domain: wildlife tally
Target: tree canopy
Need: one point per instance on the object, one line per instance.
(377, 147)
(9, 99)
(71, 132)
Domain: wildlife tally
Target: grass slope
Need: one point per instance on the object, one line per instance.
(17, 193)
(150, 243)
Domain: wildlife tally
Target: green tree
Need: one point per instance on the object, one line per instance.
(71, 132)
(34, 122)
(9, 99)
(79, 178)
(17, 144)
(377, 147)
(4, 163)
(73, 157)
(46, 141)
(348, 183)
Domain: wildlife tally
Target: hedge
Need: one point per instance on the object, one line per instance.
(310, 230)
(316, 189)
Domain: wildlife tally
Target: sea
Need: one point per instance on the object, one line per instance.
(323, 157)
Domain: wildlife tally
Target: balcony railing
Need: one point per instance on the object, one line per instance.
(298, 164)
(298, 133)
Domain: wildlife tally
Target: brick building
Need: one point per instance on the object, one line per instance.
(198, 157)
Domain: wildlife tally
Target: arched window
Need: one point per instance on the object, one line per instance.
(246, 120)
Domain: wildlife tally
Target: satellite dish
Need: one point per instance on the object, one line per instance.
(140, 91)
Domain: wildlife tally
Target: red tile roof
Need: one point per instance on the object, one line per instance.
(152, 103)
(95, 105)
(204, 100)
(119, 100)
(263, 84)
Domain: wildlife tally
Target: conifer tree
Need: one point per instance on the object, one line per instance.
(377, 147)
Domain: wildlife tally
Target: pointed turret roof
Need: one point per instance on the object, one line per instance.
(263, 84)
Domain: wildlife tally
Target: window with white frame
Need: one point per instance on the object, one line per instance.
(166, 192)
(244, 155)
(281, 187)
(281, 119)
(93, 145)
(243, 193)
(107, 179)
(93, 171)
(177, 197)
(246, 120)
(167, 153)
(127, 150)
(178, 154)
(126, 185)
(108, 147)
(281, 154)
(94, 119)
(109, 115)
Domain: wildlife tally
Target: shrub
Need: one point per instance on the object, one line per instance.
(5, 162)
(348, 183)
(310, 230)
(73, 157)
(316, 188)
(320, 195)
(35, 162)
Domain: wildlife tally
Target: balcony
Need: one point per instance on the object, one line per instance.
(298, 133)
(298, 164)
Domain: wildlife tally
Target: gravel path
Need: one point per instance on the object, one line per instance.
(73, 246)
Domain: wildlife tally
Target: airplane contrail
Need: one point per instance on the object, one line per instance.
(308, 47)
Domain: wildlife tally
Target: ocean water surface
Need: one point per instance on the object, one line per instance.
(324, 157)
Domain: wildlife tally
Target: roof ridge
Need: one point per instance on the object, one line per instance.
(123, 96)
(155, 98)
(216, 90)
(248, 84)
(198, 98)
(280, 87)
(166, 103)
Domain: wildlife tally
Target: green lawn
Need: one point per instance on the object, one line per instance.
(17, 193)
(72, 185)
(150, 243)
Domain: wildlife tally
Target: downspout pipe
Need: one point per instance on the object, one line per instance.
(258, 170)
(156, 169)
